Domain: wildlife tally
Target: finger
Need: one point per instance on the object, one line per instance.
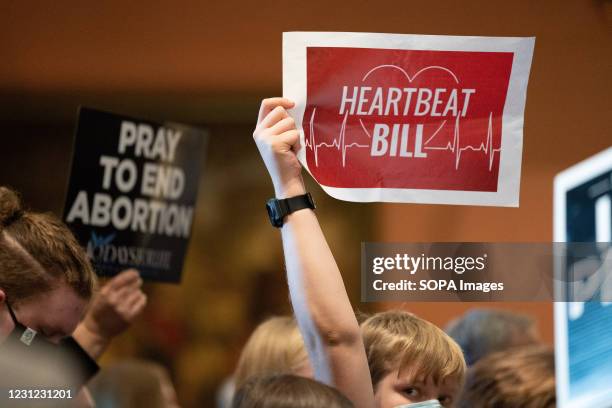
(126, 305)
(124, 278)
(267, 105)
(136, 299)
(138, 306)
(135, 285)
(282, 126)
(277, 114)
(114, 297)
(291, 137)
(120, 296)
(131, 298)
(297, 145)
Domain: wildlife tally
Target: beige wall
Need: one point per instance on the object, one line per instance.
(199, 54)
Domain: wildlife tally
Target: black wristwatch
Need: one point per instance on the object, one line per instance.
(278, 209)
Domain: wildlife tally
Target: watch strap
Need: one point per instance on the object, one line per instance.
(278, 209)
(296, 203)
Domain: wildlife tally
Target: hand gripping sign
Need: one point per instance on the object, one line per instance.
(410, 118)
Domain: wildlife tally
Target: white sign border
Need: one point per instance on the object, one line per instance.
(294, 86)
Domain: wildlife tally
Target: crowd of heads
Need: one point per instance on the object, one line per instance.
(485, 358)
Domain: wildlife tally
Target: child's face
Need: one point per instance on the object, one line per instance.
(405, 387)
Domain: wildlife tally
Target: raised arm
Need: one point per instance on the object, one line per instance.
(321, 305)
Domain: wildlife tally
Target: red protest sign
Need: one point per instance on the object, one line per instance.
(400, 124)
(405, 119)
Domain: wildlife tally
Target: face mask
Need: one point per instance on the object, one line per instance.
(424, 404)
(27, 339)
(21, 333)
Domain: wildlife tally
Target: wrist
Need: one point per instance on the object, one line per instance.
(91, 340)
(290, 188)
(279, 208)
(94, 333)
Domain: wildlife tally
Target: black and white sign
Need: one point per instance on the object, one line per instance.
(132, 192)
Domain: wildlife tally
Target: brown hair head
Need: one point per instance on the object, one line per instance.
(288, 391)
(521, 377)
(38, 252)
(397, 339)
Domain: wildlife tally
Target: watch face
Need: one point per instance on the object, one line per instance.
(274, 213)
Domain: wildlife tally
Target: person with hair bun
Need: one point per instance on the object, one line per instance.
(46, 279)
(46, 284)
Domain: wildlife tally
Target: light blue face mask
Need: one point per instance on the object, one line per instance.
(423, 404)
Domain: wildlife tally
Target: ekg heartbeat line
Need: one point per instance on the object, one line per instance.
(455, 147)
(338, 143)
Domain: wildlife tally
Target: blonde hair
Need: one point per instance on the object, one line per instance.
(38, 252)
(400, 340)
(275, 347)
